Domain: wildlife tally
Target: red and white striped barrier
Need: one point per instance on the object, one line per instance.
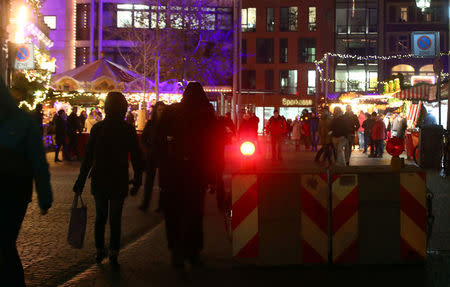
(413, 216)
(345, 218)
(244, 222)
(314, 218)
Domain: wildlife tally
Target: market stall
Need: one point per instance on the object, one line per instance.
(414, 98)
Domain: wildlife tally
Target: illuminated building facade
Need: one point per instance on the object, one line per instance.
(281, 39)
(404, 17)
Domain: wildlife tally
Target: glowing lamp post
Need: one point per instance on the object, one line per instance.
(423, 4)
(395, 147)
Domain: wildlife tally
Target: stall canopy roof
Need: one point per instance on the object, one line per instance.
(414, 93)
(100, 68)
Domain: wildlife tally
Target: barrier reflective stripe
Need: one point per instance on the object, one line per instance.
(345, 218)
(244, 222)
(314, 218)
(413, 216)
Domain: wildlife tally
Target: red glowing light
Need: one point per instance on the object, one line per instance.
(247, 148)
(395, 146)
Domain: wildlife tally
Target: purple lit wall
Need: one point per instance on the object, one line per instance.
(61, 36)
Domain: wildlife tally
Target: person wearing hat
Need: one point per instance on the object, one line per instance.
(110, 143)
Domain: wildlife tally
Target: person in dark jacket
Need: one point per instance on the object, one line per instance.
(277, 128)
(314, 129)
(378, 136)
(73, 127)
(110, 143)
(188, 169)
(23, 161)
(38, 115)
(60, 122)
(151, 145)
(367, 126)
(340, 129)
(354, 123)
(247, 128)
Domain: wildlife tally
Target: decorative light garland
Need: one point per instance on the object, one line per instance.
(365, 58)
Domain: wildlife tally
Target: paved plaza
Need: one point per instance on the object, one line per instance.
(49, 261)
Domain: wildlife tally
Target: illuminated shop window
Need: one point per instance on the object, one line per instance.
(249, 20)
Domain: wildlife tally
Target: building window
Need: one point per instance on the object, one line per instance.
(399, 44)
(270, 20)
(311, 82)
(269, 80)
(248, 19)
(244, 51)
(82, 22)
(264, 51)
(133, 15)
(158, 17)
(81, 56)
(306, 50)
(426, 70)
(406, 70)
(283, 50)
(403, 14)
(373, 20)
(288, 18)
(224, 18)
(248, 79)
(312, 19)
(50, 21)
(288, 82)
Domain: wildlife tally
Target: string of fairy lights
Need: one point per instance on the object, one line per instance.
(326, 56)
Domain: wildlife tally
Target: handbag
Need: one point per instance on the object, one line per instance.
(77, 223)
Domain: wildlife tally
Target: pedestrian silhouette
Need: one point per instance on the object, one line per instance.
(110, 143)
(23, 161)
(187, 170)
(151, 144)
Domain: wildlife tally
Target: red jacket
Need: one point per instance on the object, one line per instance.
(276, 126)
(378, 131)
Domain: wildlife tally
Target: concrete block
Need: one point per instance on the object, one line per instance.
(280, 242)
(279, 196)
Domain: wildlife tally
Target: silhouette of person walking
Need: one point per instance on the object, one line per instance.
(187, 170)
(23, 160)
(106, 162)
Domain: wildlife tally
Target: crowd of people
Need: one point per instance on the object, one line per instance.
(185, 142)
(338, 133)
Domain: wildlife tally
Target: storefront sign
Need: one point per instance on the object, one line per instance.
(296, 102)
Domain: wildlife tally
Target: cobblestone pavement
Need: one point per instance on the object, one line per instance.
(47, 258)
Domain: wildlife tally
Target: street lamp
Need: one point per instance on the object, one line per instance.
(423, 4)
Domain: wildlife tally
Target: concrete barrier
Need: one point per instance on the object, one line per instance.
(342, 215)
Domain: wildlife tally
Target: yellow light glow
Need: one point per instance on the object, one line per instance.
(247, 148)
(21, 22)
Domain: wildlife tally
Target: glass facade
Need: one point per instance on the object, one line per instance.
(356, 34)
